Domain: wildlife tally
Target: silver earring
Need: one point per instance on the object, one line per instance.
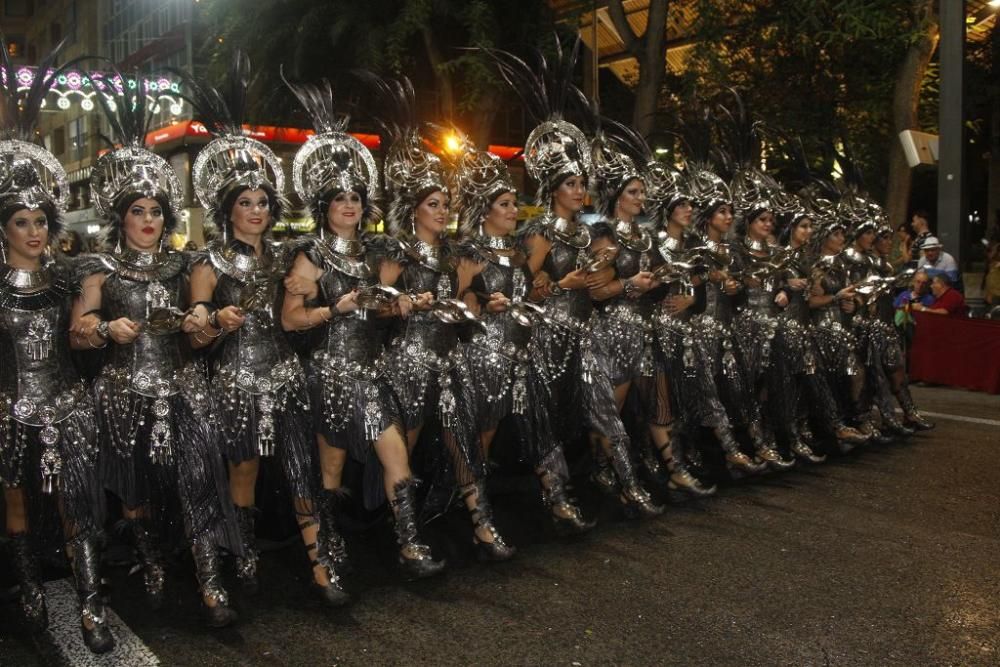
(3, 250)
(118, 245)
(225, 234)
(322, 232)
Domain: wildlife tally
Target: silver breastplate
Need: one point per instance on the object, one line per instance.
(151, 361)
(258, 348)
(348, 337)
(37, 382)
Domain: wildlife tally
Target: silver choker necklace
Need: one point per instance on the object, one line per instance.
(136, 257)
(429, 254)
(668, 242)
(348, 247)
(630, 235)
(497, 242)
(247, 263)
(564, 226)
(627, 230)
(25, 280)
(755, 245)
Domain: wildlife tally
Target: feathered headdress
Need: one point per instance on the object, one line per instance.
(411, 171)
(740, 152)
(130, 169)
(698, 132)
(855, 207)
(331, 160)
(480, 177)
(617, 154)
(556, 148)
(231, 160)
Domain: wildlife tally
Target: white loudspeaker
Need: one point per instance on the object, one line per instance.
(920, 147)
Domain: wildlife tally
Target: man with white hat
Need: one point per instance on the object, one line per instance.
(936, 261)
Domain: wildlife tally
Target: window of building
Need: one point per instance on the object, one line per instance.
(70, 23)
(78, 144)
(14, 8)
(15, 46)
(58, 143)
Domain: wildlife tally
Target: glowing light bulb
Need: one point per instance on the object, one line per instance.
(452, 143)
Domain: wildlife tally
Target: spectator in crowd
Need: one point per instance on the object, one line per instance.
(921, 226)
(899, 255)
(947, 301)
(71, 244)
(991, 277)
(919, 292)
(936, 261)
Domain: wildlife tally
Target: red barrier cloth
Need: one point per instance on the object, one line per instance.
(956, 351)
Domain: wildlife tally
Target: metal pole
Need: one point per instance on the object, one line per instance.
(595, 56)
(951, 191)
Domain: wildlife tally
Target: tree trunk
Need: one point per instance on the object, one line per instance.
(480, 123)
(905, 101)
(650, 51)
(443, 78)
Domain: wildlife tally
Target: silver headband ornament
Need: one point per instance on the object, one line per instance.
(334, 161)
(479, 178)
(233, 161)
(133, 170)
(31, 176)
(554, 150)
(612, 170)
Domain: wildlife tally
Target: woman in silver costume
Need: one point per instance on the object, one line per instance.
(48, 428)
(263, 404)
(893, 382)
(558, 157)
(355, 411)
(685, 357)
(155, 407)
(755, 329)
(623, 332)
(832, 302)
(505, 384)
(426, 360)
(806, 397)
(861, 264)
(714, 308)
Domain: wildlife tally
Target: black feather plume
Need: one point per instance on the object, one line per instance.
(317, 100)
(546, 91)
(395, 100)
(222, 113)
(740, 134)
(131, 116)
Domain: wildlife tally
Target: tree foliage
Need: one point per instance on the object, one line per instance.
(820, 69)
(427, 40)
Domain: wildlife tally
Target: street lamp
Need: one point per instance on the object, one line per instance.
(453, 143)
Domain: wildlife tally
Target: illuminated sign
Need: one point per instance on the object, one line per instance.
(75, 85)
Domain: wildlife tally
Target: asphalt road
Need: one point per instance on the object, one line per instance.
(887, 557)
